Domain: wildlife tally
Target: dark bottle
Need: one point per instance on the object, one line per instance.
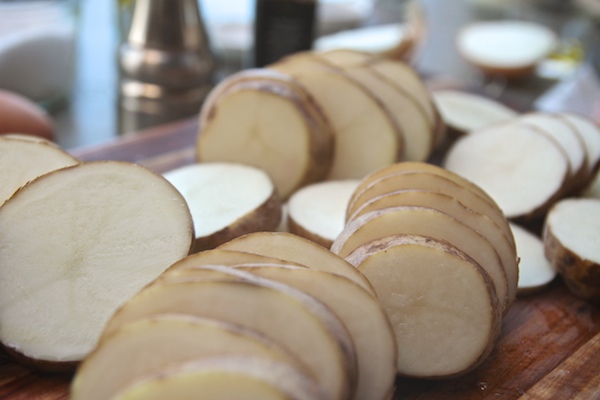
(282, 27)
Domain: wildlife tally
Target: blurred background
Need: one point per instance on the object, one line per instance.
(69, 64)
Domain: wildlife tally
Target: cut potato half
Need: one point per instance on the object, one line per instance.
(317, 211)
(153, 344)
(510, 48)
(226, 200)
(465, 112)
(571, 240)
(290, 247)
(75, 245)
(225, 377)
(413, 220)
(265, 120)
(522, 168)
(297, 321)
(441, 303)
(24, 158)
(535, 272)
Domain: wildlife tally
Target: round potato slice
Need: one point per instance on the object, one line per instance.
(224, 378)
(571, 240)
(290, 247)
(441, 303)
(535, 271)
(300, 323)
(152, 344)
(590, 132)
(427, 222)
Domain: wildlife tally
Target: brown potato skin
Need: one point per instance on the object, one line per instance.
(264, 218)
(297, 229)
(581, 276)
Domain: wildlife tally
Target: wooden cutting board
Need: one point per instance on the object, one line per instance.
(549, 347)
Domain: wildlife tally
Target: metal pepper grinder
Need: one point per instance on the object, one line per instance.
(166, 64)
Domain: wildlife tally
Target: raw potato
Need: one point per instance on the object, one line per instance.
(290, 247)
(264, 119)
(150, 345)
(442, 328)
(24, 158)
(590, 133)
(366, 321)
(522, 168)
(535, 272)
(464, 112)
(225, 257)
(317, 211)
(510, 48)
(572, 243)
(428, 222)
(75, 245)
(300, 323)
(245, 378)
(226, 201)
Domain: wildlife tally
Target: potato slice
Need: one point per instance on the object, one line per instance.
(360, 312)
(464, 112)
(412, 220)
(215, 378)
(290, 247)
(441, 303)
(346, 57)
(75, 245)
(264, 119)
(453, 207)
(522, 168)
(590, 133)
(300, 323)
(535, 272)
(24, 158)
(366, 135)
(226, 200)
(571, 232)
(150, 345)
(317, 211)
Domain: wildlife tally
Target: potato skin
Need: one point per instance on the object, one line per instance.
(581, 276)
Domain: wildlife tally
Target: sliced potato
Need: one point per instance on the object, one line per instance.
(300, 323)
(215, 378)
(290, 247)
(590, 133)
(412, 220)
(226, 200)
(535, 272)
(76, 244)
(571, 240)
(24, 158)
(152, 344)
(317, 211)
(522, 168)
(441, 303)
(360, 312)
(244, 119)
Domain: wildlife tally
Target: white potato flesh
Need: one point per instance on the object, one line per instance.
(23, 159)
(150, 345)
(371, 39)
(266, 124)
(440, 302)
(520, 167)
(317, 211)
(360, 312)
(366, 137)
(227, 200)
(535, 272)
(466, 112)
(75, 245)
(453, 207)
(505, 46)
(300, 323)
(224, 378)
(412, 220)
(290, 247)
(590, 132)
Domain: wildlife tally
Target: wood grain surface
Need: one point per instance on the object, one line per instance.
(549, 347)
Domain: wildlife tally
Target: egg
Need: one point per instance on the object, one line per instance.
(20, 115)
